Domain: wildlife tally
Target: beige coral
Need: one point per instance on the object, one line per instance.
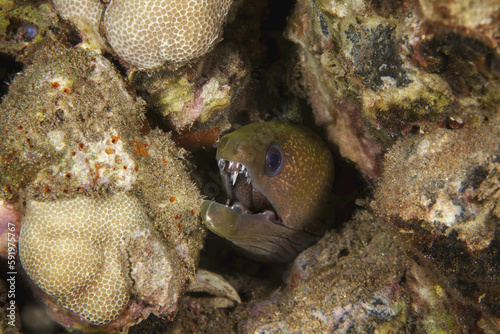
(76, 251)
(150, 33)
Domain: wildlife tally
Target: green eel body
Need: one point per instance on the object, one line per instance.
(278, 178)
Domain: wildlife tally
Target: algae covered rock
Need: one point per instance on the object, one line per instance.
(197, 98)
(441, 191)
(24, 26)
(373, 71)
(111, 215)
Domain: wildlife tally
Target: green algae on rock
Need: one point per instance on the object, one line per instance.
(24, 26)
(196, 97)
(278, 178)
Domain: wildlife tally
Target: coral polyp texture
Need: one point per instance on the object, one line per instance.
(148, 34)
(76, 251)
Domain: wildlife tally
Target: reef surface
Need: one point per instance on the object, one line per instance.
(107, 153)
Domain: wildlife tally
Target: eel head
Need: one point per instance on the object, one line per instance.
(277, 178)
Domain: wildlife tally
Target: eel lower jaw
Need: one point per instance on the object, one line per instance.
(254, 234)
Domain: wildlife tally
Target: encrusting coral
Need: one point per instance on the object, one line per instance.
(148, 34)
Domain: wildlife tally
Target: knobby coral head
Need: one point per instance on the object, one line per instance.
(85, 255)
(148, 34)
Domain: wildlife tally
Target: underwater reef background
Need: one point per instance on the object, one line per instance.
(108, 128)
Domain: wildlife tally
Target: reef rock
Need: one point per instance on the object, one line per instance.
(373, 71)
(441, 189)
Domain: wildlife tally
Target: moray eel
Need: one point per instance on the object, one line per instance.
(277, 178)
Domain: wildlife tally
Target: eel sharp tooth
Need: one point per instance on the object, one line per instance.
(234, 176)
(237, 166)
(230, 164)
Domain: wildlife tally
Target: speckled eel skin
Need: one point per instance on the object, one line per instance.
(278, 178)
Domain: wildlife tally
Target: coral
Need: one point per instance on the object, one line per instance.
(86, 16)
(76, 141)
(77, 252)
(67, 139)
(148, 34)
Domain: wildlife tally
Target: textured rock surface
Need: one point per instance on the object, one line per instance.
(373, 71)
(24, 25)
(198, 97)
(148, 34)
(442, 190)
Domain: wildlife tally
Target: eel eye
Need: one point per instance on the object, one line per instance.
(275, 159)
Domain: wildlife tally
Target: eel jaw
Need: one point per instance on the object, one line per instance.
(242, 193)
(233, 168)
(251, 222)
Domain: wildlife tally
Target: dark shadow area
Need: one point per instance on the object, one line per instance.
(8, 69)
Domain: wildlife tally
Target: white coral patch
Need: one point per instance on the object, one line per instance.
(107, 160)
(444, 211)
(56, 139)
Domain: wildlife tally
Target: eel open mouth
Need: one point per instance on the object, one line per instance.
(242, 196)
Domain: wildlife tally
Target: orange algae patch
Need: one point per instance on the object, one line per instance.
(196, 140)
(140, 148)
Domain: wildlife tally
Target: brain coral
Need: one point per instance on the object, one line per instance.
(149, 33)
(76, 251)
